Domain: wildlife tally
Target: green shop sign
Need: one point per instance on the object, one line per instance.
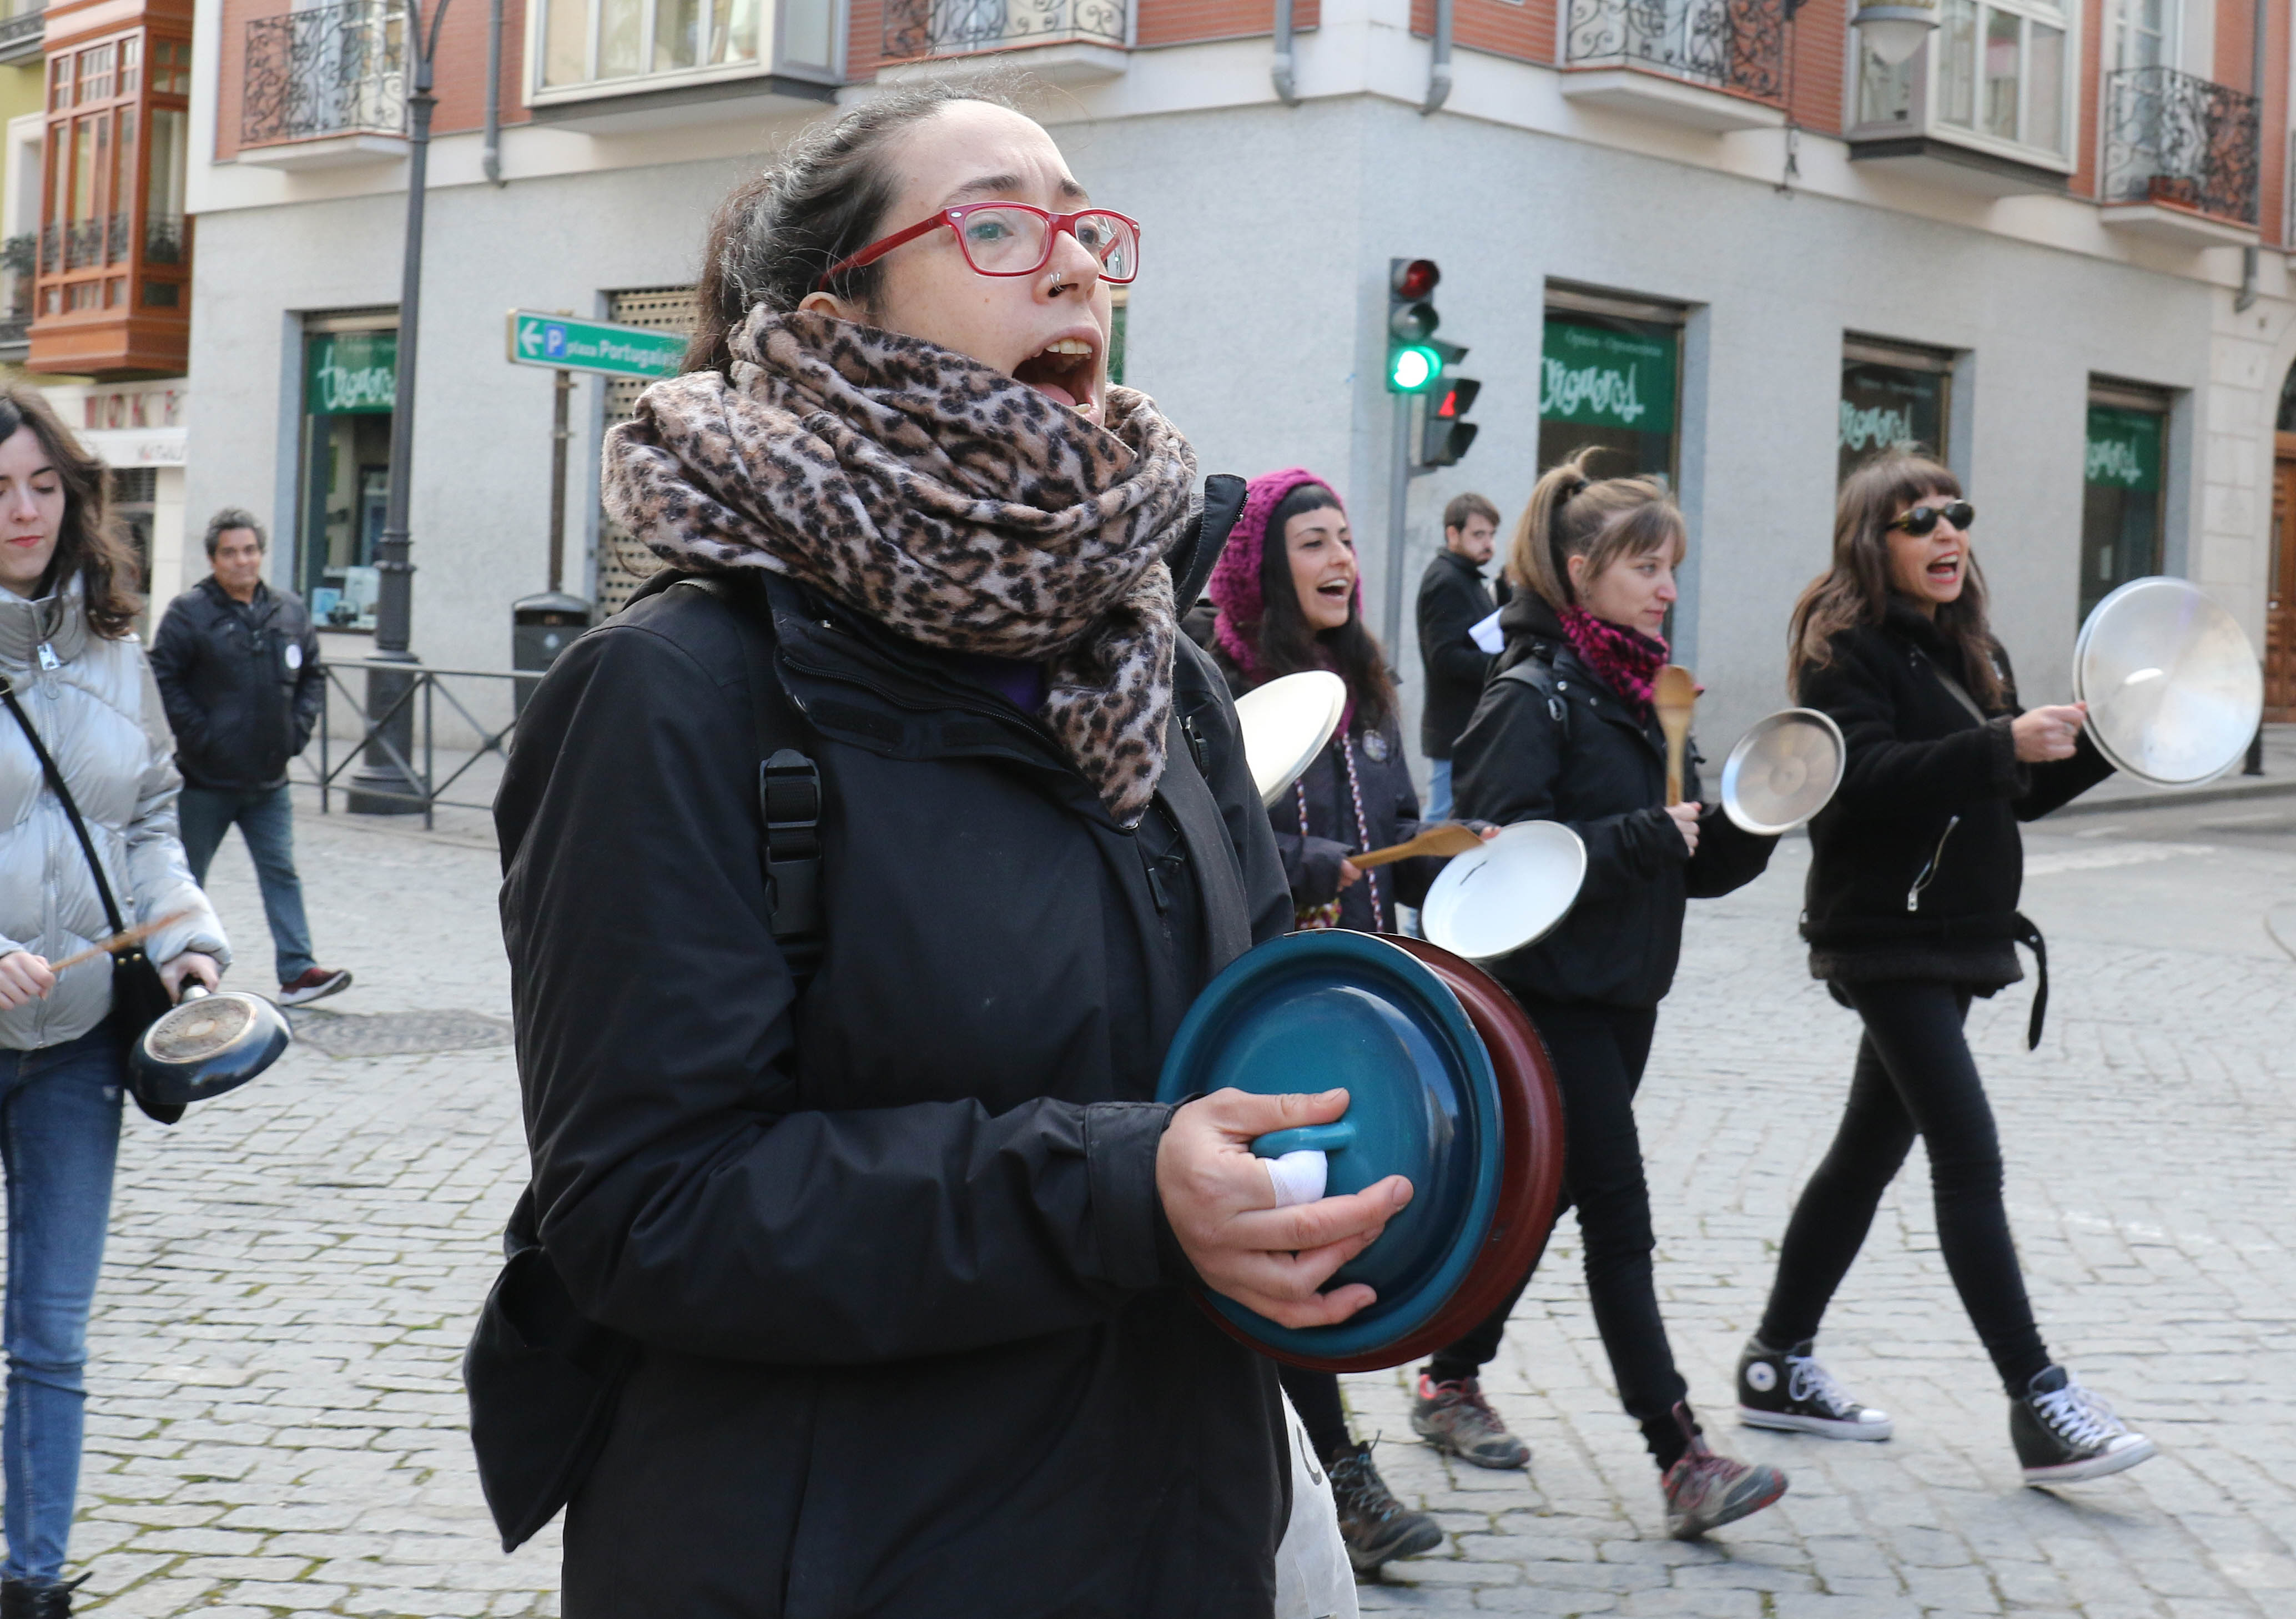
(2124, 448)
(1603, 377)
(348, 373)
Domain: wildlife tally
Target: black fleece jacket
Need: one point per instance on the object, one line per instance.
(1917, 864)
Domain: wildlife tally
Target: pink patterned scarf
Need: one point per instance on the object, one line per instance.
(1626, 659)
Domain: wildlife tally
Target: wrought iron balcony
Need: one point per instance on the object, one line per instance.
(2181, 139)
(335, 69)
(1736, 45)
(24, 31)
(916, 29)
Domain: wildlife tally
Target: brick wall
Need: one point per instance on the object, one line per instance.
(1525, 32)
(1817, 53)
(1184, 22)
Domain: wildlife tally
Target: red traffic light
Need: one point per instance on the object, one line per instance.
(1458, 397)
(1412, 279)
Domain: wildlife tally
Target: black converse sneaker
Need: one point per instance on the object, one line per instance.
(1785, 1388)
(2063, 1434)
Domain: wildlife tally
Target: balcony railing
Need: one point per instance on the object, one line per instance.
(23, 30)
(2180, 139)
(955, 28)
(336, 69)
(1737, 45)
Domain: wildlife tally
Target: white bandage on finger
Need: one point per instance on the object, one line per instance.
(1299, 1177)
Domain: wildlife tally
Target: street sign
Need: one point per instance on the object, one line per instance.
(559, 342)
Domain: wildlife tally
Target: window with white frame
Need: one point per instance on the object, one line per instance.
(584, 44)
(1995, 74)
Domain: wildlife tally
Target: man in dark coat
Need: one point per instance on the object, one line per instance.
(1453, 599)
(238, 668)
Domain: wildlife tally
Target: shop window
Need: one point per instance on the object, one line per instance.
(2127, 474)
(1893, 396)
(351, 379)
(1609, 376)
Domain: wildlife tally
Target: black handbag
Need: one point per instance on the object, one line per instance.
(138, 994)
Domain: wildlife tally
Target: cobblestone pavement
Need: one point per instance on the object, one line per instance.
(276, 1416)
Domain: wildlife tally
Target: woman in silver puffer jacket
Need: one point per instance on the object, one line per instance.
(68, 652)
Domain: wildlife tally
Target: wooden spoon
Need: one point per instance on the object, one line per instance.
(1450, 838)
(1674, 696)
(119, 941)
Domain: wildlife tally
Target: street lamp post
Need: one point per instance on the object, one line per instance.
(383, 785)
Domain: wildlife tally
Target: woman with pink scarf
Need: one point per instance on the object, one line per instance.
(1565, 732)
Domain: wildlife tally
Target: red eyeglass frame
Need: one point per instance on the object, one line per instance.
(954, 217)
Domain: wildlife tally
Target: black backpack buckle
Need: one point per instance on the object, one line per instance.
(789, 796)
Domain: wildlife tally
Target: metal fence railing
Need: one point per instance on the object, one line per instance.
(333, 70)
(953, 28)
(397, 744)
(1726, 45)
(2177, 138)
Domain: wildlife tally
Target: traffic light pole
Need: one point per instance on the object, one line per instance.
(1398, 500)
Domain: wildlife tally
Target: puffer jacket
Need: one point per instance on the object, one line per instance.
(94, 705)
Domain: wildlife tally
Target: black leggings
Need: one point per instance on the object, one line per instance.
(1316, 1396)
(1599, 1055)
(1913, 1076)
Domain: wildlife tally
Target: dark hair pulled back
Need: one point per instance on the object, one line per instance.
(824, 200)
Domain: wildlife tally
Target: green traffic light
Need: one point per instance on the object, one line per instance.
(1413, 369)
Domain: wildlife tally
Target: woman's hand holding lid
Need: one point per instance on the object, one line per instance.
(1221, 1203)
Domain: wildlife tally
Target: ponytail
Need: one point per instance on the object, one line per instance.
(1571, 514)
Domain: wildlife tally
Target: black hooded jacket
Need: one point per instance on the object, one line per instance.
(241, 683)
(914, 1339)
(1583, 756)
(1917, 864)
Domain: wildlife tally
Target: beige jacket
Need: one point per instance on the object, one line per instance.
(96, 708)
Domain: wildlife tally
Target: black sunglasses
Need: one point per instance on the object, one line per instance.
(1922, 519)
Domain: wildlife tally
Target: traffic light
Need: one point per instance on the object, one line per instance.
(1448, 432)
(1414, 364)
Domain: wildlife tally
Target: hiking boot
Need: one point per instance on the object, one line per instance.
(316, 984)
(2063, 1434)
(49, 1599)
(1705, 1491)
(1454, 1417)
(1376, 1526)
(1786, 1389)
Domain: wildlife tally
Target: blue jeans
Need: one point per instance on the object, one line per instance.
(268, 822)
(58, 1135)
(1438, 790)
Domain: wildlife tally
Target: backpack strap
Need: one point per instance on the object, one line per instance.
(1539, 674)
(789, 781)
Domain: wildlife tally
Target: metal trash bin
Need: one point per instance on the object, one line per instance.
(541, 628)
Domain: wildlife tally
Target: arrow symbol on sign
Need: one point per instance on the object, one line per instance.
(529, 338)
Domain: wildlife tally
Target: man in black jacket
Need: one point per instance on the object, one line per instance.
(1453, 599)
(238, 668)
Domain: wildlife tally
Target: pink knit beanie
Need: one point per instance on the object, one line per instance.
(1234, 587)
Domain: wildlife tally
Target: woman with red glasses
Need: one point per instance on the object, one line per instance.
(857, 875)
(1912, 911)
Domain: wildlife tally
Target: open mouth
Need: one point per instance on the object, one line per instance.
(1946, 570)
(1336, 590)
(1064, 372)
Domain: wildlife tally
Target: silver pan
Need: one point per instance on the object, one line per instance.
(1783, 771)
(2174, 689)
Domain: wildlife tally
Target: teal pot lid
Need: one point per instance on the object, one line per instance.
(1314, 1011)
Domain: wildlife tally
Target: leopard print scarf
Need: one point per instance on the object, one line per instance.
(942, 500)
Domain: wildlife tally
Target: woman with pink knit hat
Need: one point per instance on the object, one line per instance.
(1286, 598)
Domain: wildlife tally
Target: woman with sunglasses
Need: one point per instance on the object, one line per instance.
(857, 878)
(1912, 912)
